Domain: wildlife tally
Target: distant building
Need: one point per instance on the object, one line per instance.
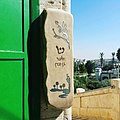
(98, 72)
(101, 75)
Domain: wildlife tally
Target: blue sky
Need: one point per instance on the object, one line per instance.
(96, 28)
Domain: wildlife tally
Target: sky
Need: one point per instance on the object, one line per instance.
(96, 28)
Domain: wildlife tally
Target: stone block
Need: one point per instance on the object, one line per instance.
(59, 60)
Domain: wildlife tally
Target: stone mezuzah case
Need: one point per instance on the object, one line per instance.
(50, 64)
(59, 61)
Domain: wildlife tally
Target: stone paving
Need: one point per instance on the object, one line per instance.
(89, 118)
(79, 118)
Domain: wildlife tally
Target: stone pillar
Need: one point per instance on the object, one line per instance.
(65, 6)
(68, 114)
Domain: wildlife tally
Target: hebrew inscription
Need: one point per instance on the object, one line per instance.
(60, 59)
(60, 49)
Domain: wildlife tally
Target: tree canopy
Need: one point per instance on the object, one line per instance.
(82, 68)
(90, 66)
(118, 54)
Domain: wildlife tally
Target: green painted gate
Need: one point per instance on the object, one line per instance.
(14, 24)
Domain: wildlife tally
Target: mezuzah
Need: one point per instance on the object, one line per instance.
(59, 59)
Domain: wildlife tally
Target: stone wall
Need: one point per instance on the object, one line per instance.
(100, 104)
(57, 4)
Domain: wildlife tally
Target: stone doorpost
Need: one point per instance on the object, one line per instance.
(64, 5)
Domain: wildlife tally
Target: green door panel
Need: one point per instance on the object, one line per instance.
(11, 54)
(14, 25)
(35, 12)
(11, 25)
(11, 90)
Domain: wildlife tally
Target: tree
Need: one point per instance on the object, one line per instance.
(82, 68)
(54, 86)
(101, 59)
(118, 54)
(57, 83)
(90, 66)
(113, 58)
(107, 67)
(75, 66)
(63, 85)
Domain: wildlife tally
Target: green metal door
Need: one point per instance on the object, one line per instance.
(14, 23)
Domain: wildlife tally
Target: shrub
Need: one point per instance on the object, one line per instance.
(89, 83)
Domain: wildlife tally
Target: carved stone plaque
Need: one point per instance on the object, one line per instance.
(59, 60)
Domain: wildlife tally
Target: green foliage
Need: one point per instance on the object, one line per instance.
(101, 59)
(89, 83)
(90, 66)
(118, 54)
(108, 67)
(93, 84)
(75, 66)
(79, 82)
(82, 68)
(79, 66)
(105, 83)
(113, 59)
